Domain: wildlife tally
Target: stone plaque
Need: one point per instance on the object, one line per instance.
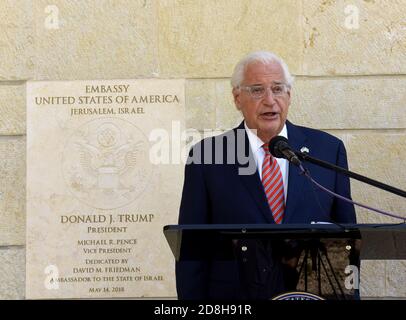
(104, 175)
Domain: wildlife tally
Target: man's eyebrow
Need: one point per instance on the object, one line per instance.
(261, 84)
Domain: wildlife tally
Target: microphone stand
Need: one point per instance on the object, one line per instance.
(304, 156)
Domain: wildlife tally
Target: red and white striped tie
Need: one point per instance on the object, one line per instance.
(273, 185)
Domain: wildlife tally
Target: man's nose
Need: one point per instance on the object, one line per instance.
(268, 97)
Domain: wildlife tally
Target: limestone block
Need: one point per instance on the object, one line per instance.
(227, 115)
(12, 109)
(349, 103)
(354, 37)
(12, 190)
(209, 105)
(372, 278)
(12, 273)
(206, 38)
(201, 104)
(396, 278)
(379, 155)
(95, 39)
(16, 40)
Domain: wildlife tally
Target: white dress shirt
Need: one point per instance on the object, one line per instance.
(259, 153)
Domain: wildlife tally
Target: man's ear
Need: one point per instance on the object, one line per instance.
(289, 96)
(236, 95)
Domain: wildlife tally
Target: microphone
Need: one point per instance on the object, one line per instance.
(279, 148)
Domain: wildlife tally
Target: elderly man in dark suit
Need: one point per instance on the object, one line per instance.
(233, 179)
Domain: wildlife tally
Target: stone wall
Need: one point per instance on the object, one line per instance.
(349, 59)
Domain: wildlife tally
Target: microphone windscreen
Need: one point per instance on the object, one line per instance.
(275, 144)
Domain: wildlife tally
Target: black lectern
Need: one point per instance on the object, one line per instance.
(321, 259)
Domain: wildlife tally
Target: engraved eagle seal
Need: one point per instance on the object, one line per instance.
(106, 164)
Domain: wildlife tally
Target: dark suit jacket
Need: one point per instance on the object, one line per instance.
(215, 193)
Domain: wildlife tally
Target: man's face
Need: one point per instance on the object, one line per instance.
(268, 114)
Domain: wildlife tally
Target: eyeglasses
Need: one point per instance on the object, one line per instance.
(259, 91)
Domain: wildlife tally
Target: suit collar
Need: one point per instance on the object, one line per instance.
(297, 139)
(296, 136)
(252, 181)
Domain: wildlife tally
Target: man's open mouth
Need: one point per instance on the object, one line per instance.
(269, 114)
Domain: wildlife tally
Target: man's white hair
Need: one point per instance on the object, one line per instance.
(264, 57)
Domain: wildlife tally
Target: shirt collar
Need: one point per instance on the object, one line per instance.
(255, 142)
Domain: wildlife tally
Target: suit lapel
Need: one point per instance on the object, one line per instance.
(295, 183)
(252, 181)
